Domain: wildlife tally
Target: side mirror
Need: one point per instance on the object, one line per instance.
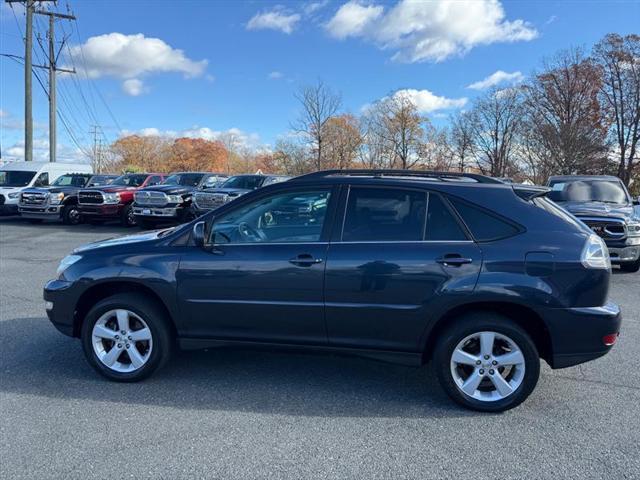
(636, 201)
(198, 234)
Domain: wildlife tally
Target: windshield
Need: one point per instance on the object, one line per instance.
(130, 180)
(245, 182)
(99, 180)
(15, 178)
(185, 179)
(606, 191)
(67, 180)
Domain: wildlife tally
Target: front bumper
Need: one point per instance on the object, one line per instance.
(577, 333)
(160, 213)
(60, 305)
(101, 210)
(624, 254)
(9, 209)
(42, 212)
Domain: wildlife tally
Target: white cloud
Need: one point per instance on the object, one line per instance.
(313, 7)
(497, 78)
(3, 113)
(131, 56)
(426, 102)
(65, 153)
(274, 20)
(134, 87)
(240, 138)
(275, 75)
(429, 31)
(352, 19)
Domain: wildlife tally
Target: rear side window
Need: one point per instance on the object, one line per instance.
(384, 214)
(483, 225)
(441, 224)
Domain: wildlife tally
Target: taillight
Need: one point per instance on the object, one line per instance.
(610, 339)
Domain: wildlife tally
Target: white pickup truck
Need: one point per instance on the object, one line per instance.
(16, 176)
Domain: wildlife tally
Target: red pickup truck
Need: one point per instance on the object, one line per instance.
(113, 202)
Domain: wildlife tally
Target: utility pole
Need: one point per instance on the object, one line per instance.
(52, 67)
(96, 153)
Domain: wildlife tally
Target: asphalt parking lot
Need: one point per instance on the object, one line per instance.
(241, 414)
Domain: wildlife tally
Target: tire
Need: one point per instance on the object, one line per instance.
(71, 215)
(516, 381)
(127, 218)
(630, 267)
(153, 353)
(145, 224)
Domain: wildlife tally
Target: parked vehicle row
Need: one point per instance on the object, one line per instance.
(480, 277)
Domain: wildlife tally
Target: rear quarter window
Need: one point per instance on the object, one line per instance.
(484, 225)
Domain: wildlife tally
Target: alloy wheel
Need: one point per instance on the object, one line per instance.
(487, 366)
(122, 341)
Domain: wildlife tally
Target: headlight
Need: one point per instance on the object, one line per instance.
(66, 262)
(56, 198)
(595, 253)
(633, 230)
(14, 195)
(174, 198)
(111, 198)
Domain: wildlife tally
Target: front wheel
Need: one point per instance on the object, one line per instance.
(126, 337)
(630, 267)
(71, 215)
(127, 218)
(486, 362)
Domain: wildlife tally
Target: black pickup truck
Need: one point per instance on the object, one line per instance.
(170, 201)
(605, 205)
(60, 200)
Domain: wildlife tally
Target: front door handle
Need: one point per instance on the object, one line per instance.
(305, 260)
(453, 260)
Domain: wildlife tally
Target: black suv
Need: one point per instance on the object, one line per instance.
(60, 200)
(481, 277)
(605, 205)
(170, 201)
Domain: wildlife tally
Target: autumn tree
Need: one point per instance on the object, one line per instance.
(148, 153)
(292, 158)
(341, 141)
(495, 122)
(319, 104)
(618, 59)
(197, 154)
(564, 118)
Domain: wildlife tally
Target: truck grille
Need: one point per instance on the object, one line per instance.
(90, 197)
(608, 229)
(151, 199)
(27, 198)
(210, 200)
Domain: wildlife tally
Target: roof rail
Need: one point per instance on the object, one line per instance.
(442, 176)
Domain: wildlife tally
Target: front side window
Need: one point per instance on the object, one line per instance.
(42, 180)
(244, 182)
(384, 214)
(155, 180)
(288, 217)
(213, 181)
(184, 179)
(130, 180)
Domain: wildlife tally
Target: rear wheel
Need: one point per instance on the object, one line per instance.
(630, 267)
(486, 362)
(71, 215)
(127, 218)
(126, 337)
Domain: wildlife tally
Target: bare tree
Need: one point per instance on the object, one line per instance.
(495, 122)
(619, 61)
(319, 103)
(292, 158)
(564, 114)
(460, 140)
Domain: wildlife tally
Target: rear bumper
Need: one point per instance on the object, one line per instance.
(101, 210)
(44, 212)
(577, 333)
(60, 304)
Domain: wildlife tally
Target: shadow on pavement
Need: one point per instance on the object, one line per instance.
(39, 361)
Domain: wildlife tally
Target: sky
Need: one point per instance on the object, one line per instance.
(203, 67)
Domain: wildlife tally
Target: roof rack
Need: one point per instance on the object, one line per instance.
(442, 176)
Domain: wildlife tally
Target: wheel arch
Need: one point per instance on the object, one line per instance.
(103, 290)
(70, 200)
(523, 316)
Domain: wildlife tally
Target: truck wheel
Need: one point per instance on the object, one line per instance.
(127, 218)
(486, 362)
(71, 215)
(630, 267)
(126, 337)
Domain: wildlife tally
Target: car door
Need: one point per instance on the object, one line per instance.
(261, 278)
(398, 251)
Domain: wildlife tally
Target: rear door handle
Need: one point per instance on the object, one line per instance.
(305, 260)
(454, 260)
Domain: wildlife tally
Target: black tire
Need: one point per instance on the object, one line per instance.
(153, 316)
(469, 324)
(71, 215)
(127, 218)
(630, 267)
